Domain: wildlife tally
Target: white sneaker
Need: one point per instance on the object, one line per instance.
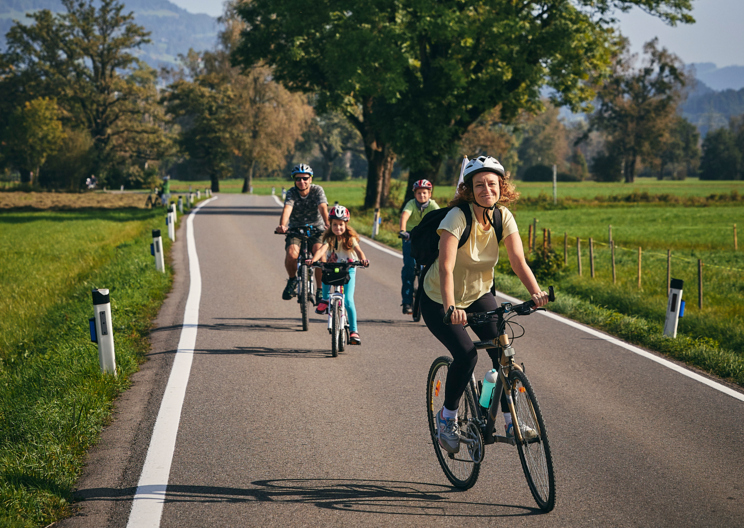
(447, 433)
(528, 433)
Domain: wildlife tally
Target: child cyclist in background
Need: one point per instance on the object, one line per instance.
(340, 243)
(410, 217)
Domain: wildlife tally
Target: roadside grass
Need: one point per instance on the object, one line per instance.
(53, 398)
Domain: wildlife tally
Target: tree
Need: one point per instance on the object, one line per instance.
(333, 135)
(721, 159)
(637, 106)
(679, 148)
(84, 58)
(413, 76)
(34, 132)
(544, 141)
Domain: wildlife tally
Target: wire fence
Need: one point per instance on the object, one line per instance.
(646, 270)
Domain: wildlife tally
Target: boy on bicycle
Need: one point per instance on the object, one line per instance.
(410, 217)
(305, 204)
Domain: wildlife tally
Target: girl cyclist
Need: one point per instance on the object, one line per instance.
(462, 278)
(340, 243)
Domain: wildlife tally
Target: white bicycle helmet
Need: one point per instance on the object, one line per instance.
(483, 164)
(339, 212)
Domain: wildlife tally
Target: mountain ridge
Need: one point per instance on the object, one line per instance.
(173, 30)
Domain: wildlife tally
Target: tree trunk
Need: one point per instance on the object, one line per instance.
(215, 183)
(248, 180)
(630, 164)
(25, 175)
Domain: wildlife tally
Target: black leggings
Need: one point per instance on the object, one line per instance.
(459, 344)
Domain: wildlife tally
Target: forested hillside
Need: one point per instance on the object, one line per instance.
(173, 30)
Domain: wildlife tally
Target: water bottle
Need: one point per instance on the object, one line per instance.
(489, 384)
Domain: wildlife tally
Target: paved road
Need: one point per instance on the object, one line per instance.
(275, 432)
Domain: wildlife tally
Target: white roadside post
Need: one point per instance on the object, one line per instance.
(376, 223)
(173, 210)
(555, 184)
(180, 204)
(198, 195)
(672, 314)
(157, 250)
(171, 226)
(284, 194)
(104, 331)
(273, 191)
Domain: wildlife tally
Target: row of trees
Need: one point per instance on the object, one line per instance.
(399, 81)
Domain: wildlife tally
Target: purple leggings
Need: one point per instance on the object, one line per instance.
(459, 344)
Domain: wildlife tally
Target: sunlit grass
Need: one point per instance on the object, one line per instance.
(53, 398)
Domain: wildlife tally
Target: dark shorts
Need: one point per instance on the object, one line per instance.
(296, 241)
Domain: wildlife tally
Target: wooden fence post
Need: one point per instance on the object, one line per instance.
(565, 248)
(530, 234)
(591, 257)
(545, 239)
(700, 284)
(578, 253)
(736, 242)
(639, 267)
(612, 250)
(550, 239)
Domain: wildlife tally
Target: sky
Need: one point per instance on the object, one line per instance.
(717, 36)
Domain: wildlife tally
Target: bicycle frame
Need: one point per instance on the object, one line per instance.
(336, 298)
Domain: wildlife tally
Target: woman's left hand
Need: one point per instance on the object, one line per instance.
(540, 298)
(365, 263)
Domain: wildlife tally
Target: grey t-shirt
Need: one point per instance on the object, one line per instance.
(305, 208)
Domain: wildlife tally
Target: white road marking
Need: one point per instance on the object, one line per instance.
(277, 200)
(381, 247)
(147, 506)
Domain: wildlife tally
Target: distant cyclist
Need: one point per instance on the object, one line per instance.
(305, 204)
(410, 217)
(462, 278)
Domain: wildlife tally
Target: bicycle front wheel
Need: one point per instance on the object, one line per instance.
(335, 328)
(303, 296)
(534, 449)
(459, 468)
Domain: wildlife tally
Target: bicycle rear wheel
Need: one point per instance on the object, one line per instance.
(459, 468)
(416, 306)
(303, 296)
(335, 328)
(342, 331)
(537, 461)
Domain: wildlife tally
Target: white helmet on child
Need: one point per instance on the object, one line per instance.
(483, 164)
(339, 212)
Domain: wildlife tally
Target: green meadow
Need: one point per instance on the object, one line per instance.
(53, 398)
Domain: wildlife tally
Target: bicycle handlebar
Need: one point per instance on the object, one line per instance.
(332, 265)
(526, 308)
(306, 231)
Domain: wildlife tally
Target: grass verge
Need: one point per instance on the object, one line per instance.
(54, 400)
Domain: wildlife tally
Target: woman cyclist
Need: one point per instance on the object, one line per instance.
(462, 278)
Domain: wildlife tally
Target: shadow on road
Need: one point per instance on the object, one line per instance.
(283, 324)
(245, 210)
(352, 495)
(390, 322)
(269, 352)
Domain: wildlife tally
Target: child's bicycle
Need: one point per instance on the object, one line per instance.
(336, 275)
(418, 280)
(477, 423)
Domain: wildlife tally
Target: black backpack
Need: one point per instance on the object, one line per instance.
(425, 239)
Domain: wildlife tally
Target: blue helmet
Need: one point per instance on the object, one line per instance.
(302, 169)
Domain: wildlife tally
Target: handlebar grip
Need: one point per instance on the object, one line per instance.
(448, 315)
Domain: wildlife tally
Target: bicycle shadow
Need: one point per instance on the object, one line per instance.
(296, 353)
(365, 496)
(389, 322)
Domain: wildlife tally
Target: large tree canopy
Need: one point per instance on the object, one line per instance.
(413, 75)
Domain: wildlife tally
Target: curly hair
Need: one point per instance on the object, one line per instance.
(348, 238)
(507, 192)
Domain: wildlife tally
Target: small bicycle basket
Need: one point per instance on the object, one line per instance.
(336, 276)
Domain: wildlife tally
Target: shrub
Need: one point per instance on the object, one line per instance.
(538, 173)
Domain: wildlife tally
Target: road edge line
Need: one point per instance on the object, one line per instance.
(148, 501)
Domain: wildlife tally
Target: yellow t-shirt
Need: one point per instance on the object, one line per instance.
(473, 272)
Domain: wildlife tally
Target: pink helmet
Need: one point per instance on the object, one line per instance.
(339, 212)
(422, 184)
